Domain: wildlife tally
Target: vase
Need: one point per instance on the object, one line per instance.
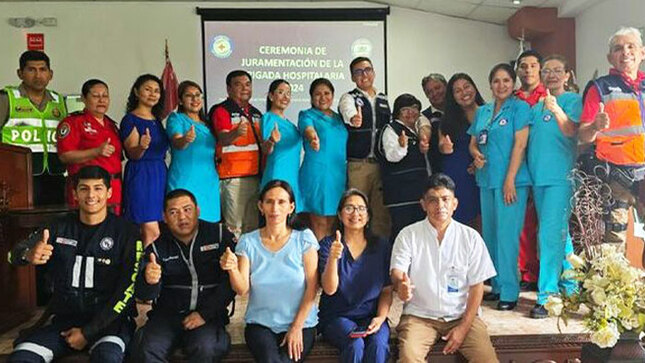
(628, 349)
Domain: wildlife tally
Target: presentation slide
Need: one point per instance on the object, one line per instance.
(298, 52)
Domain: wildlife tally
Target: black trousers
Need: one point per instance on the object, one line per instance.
(163, 332)
(265, 347)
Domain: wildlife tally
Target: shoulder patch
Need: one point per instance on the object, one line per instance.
(106, 243)
(63, 130)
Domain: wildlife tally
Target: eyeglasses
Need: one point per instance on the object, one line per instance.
(349, 209)
(358, 72)
(197, 96)
(556, 71)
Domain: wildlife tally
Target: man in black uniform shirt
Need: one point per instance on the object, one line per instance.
(91, 258)
(181, 273)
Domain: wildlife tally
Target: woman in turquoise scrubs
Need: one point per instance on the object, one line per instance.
(282, 141)
(551, 156)
(193, 151)
(498, 141)
(323, 174)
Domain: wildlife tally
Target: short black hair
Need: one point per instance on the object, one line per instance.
(235, 74)
(173, 194)
(357, 60)
(320, 81)
(33, 55)
(93, 172)
(529, 53)
(87, 86)
(439, 180)
(404, 100)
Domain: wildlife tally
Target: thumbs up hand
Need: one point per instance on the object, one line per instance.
(336, 250)
(405, 288)
(145, 139)
(228, 261)
(445, 145)
(403, 139)
(357, 120)
(315, 142)
(551, 104)
(601, 121)
(243, 127)
(275, 134)
(424, 142)
(190, 134)
(41, 252)
(153, 271)
(105, 149)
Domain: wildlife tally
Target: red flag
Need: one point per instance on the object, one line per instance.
(170, 84)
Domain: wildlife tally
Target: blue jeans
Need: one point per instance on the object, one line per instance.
(374, 348)
(265, 347)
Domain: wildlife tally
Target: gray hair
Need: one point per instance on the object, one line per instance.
(433, 77)
(626, 31)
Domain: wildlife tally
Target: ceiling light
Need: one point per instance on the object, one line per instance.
(516, 2)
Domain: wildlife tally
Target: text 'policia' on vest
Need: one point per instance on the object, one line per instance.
(623, 143)
(242, 157)
(29, 127)
(361, 140)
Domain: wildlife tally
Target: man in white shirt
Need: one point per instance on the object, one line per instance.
(438, 269)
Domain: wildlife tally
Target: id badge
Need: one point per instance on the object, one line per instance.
(453, 281)
(482, 138)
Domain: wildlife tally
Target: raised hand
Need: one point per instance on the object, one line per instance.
(243, 127)
(228, 261)
(357, 120)
(336, 250)
(445, 145)
(190, 134)
(42, 251)
(424, 143)
(145, 139)
(275, 133)
(105, 149)
(153, 271)
(405, 288)
(601, 121)
(403, 139)
(551, 103)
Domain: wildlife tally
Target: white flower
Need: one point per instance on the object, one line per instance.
(606, 337)
(554, 305)
(576, 261)
(598, 296)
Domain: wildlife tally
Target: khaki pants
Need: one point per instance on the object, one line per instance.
(366, 177)
(418, 335)
(619, 212)
(239, 204)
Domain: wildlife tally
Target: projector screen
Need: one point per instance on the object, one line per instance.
(298, 51)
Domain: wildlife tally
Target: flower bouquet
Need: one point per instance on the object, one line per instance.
(611, 289)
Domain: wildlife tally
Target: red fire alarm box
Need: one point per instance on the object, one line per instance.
(35, 41)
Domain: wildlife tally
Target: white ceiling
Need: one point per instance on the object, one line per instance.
(491, 11)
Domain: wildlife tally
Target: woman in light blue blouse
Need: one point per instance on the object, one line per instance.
(282, 141)
(499, 135)
(323, 174)
(193, 152)
(277, 266)
(551, 156)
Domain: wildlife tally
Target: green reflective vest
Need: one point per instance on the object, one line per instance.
(29, 127)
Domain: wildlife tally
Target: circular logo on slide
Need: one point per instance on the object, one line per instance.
(361, 48)
(222, 46)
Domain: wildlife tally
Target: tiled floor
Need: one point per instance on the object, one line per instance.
(499, 322)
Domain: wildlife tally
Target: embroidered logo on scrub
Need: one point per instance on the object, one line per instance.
(503, 122)
(106, 243)
(547, 118)
(210, 247)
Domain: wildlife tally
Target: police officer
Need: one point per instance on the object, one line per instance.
(181, 273)
(611, 119)
(90, 137)
(237, 129)
(365, 110)
(29, 115)
(91, 257)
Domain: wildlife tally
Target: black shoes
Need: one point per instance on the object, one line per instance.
(528, 286)
(506, 305)
(491, 296)
(539, 312)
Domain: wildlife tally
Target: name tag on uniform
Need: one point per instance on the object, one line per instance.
(66, 241)
(170, 258)
(482, 138)
(453, 280)
(210, 247)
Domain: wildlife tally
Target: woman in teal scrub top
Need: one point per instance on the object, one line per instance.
(282, 140)
(551, 156)
(498, 141)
